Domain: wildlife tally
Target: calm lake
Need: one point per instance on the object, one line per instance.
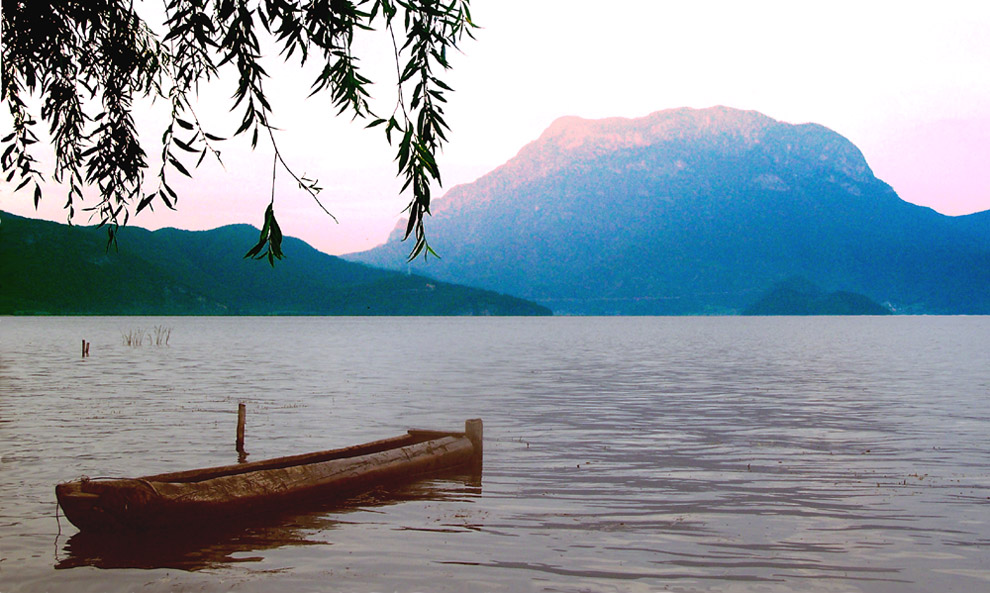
(621, 454)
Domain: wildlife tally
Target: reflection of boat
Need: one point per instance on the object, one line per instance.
(180, 499)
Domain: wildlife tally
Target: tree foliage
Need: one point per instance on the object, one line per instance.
(86, 61)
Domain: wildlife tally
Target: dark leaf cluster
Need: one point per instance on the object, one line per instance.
(88, 60)
(270, 239)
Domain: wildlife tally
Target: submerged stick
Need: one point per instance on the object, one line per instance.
(241, 412)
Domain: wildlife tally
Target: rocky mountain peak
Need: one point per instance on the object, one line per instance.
(681, 134)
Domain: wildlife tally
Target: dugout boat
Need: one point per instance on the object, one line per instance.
(194, 497)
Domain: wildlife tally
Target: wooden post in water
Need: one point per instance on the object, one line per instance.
(241, 412)
(85, 349)
(474, 430)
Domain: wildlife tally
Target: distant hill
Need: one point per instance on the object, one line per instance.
(697, 211)
(797, 296)
(50, 268)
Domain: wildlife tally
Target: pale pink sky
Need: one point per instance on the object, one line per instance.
(908, 82)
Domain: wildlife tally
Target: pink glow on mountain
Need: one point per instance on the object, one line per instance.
(570, 132)
(572, 139)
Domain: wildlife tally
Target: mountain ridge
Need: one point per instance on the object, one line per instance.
(50, 268)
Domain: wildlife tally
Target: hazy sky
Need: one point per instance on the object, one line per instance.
(908, 82)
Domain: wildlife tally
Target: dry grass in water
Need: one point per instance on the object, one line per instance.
(159, 336)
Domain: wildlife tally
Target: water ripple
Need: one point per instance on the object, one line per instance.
(832, 455)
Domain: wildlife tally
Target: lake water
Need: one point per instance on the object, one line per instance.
(621, 454)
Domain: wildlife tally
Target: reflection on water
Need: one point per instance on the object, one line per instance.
(196, 548)
(728, 454)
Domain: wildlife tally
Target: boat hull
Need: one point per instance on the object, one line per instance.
(182, 499)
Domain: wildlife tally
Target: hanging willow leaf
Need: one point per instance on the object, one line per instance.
(271, 237)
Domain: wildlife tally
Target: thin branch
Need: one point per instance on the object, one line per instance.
(306, 184)
(274, 170)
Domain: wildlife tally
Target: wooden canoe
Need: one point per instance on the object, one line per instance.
(181, 499)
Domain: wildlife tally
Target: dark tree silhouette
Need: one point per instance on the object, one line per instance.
(87, 60)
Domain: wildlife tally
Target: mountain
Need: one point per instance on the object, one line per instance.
(798, 296)
(697, 211)
(49, 268)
